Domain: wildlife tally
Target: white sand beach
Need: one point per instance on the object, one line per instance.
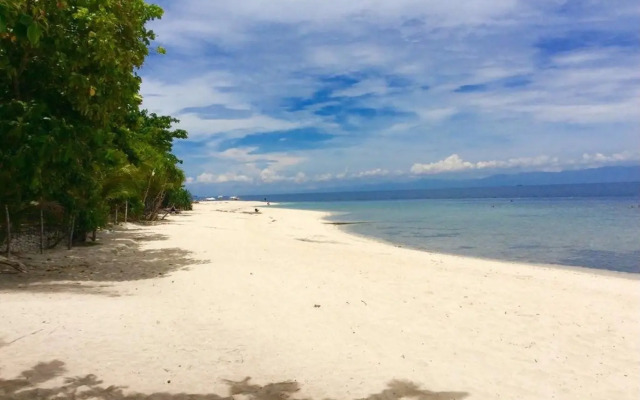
(280, 296)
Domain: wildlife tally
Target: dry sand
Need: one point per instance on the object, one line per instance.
(306, 310)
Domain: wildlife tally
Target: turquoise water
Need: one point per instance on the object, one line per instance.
(602, 233)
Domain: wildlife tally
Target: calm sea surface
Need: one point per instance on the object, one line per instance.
(590, 231)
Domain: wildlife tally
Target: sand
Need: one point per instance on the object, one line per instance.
(304, 310)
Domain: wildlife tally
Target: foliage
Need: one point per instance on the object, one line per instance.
(180, 198)
(70, 119)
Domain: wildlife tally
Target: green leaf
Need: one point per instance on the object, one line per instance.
(25, 20)
(3, 24)
(33, 33)
(161, 50)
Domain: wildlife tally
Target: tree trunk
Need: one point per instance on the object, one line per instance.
(116, 215)
(6, 210)
(93, 235)
(167, 212)
(73, 223)
(41, 229)
(126, 210)
(157, 203)
(17, 265)
(146, 193)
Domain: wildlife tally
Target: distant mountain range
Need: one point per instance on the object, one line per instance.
(609, 175)
(593, 175)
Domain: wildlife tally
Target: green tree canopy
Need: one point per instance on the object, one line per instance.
(70, 119)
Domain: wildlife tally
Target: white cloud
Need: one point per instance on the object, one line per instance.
(437, 114)
(522, 162)
(579, 95)
(370, 86)
(278, 174)
(200, 128)
(230, 20)
(582, 57)
(601, 159)
(324, 177)
(454, 163)
(335, 56)
(300, 177)
(243, 165)
(172, 98)
(345, 175)
(268, 175)
(247, 155)
(206, 177)
(371, 173)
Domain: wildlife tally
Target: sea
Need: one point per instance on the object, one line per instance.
(584, 225)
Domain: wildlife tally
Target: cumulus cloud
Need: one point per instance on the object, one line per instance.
(279, 174)
(242, 165)
(454, 163)
(269, 175)
(371, 173)
(324, 177)
(601, 159)
(206, 177)
(437, 114)
(247, 155)
(522, 162)
(345, 175)
(266, 175)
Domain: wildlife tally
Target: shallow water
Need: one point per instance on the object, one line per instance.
(602, 233)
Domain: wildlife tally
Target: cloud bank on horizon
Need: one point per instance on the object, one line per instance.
(288, 95)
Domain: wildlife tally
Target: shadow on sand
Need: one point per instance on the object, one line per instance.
(117, 257)
(25, 387)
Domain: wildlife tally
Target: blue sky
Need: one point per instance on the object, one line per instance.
(289, 95)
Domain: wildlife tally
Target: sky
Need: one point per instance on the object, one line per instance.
(295, 95)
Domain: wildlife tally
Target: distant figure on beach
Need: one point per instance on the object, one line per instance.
(257, 211)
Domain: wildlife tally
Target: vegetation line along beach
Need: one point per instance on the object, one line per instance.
(78, 150)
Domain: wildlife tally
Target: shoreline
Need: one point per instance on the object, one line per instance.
(574, 268)
(314, 311)
(343, 226)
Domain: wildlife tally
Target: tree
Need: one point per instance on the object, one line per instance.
(180, 198)
(72, 131)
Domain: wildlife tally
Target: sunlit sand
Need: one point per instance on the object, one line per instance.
(306, 310)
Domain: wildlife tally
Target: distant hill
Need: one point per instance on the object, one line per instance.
(593, 175)
(604, 175)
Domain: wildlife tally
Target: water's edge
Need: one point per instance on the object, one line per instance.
(591, 242)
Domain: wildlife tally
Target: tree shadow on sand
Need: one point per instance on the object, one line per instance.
(117, 257)
(25, 387)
